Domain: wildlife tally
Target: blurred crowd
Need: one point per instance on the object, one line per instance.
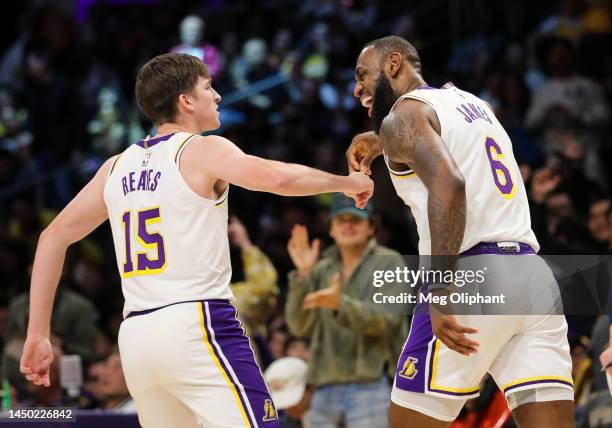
(285, 70)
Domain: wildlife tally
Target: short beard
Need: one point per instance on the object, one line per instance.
(382, 101)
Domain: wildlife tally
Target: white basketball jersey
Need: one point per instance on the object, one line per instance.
(497, 207)
(171, 244)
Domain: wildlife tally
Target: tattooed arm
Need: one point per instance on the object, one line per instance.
(410, 135)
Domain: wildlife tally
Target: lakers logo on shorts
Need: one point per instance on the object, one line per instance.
(409, 369)
(269, 410)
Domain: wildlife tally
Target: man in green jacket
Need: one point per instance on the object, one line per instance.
(353, 340)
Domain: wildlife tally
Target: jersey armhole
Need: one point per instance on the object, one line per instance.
(433, 107)
(114, 164)
(177, 161)
(179, 150)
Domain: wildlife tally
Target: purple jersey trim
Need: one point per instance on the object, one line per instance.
(153, 141)
(447, 85)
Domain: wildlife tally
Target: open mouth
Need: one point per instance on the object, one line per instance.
(367, 103)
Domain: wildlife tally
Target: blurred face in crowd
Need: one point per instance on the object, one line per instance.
(112, 383)
(95, 373)
(299, 349)
(598, 220)
(348, 230)
(373, 87)
(560, 205)
(277, 343)
(192, 28)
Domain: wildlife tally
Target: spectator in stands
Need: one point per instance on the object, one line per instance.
(112, 387)
(297, 347)
(192, 30)
(256, 296)
(599, 225)
(277, 342)
(566, 96)
(352, 344)
(74, 327)
(286, 378)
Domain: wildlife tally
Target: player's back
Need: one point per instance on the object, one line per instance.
(171, 244)
(497, 206)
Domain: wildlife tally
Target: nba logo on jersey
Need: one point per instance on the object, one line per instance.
(409, 370)
(147, 156)
(269, 411)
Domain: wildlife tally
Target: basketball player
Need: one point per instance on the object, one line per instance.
(186, 359)
(451, 161)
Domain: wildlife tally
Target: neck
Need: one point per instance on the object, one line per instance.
(414, 82)
(177, 126)
(350, 255)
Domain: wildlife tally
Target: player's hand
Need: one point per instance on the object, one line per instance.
(606, 358)
(361, 189)
(446, 328)
(329, 298)
(303, 254)
(363, 150)
(36, 360)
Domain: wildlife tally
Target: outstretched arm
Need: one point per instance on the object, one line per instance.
(410, 135)
(225, 161)
(80, 217)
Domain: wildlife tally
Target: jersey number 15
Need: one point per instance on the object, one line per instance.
(148, 241)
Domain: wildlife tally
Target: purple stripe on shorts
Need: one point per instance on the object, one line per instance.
(235, 347)
(212, 337)
(493, 248)
(153, 141)
(415, 350)
(533, 382)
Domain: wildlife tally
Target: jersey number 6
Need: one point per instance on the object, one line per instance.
(148, 241)
(501, 174)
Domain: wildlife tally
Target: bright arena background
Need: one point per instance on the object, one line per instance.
(285, 71)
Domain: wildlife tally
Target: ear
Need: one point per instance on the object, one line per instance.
(393, 63)
(184, 101)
